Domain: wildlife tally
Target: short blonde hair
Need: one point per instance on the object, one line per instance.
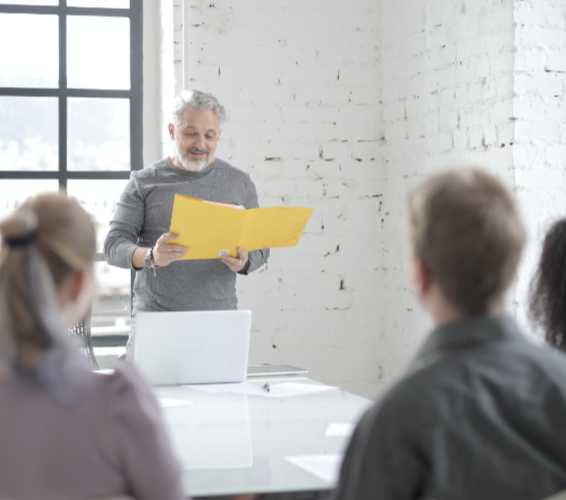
(466, 229)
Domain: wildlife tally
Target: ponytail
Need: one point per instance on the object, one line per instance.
(43, 243)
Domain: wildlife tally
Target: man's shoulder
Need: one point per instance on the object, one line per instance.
(427, 386)
(408, 396)
(514, 366)
(155, 169)
(231, 171)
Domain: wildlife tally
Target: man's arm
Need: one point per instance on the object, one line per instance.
(121, 245)
(125, 228)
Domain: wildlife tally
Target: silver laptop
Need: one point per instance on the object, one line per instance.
(194, 347)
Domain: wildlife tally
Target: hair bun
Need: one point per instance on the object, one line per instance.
(20, 228)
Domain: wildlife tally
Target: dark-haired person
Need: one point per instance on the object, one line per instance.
(548, 290)
(65, 432)
(481, 412)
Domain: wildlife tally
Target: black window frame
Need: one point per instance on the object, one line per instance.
(62, 92)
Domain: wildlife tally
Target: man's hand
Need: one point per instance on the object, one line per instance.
(236, 263)
(164, 253)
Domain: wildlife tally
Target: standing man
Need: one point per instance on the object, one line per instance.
(138, 236)
(481, 412)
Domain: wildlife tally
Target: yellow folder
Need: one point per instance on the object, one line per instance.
(211, 230)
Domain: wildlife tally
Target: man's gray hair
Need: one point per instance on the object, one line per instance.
(199, 100)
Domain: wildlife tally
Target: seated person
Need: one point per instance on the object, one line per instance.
(548, 291)
(66, 432)
(481, 412)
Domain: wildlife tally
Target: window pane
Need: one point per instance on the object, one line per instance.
(29, 2)
(27, 63)
(14, 192)
(99, 198)
(106, 4)
(98, 52)
(28, 133)
(98, 134)
(111, 306)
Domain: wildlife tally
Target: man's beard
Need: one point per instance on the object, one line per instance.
(193, 166)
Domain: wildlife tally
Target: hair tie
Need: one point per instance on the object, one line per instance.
(22, 241)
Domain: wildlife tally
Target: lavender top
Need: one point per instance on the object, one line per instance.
(112, 441)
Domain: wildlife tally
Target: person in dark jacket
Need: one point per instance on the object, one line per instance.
(481, 411)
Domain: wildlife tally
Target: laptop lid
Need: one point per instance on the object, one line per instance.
(192, 347)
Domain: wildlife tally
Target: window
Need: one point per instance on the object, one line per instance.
(71, 118)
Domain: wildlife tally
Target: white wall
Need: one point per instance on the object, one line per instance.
(344, 106)
(447, 100)
(300, 81)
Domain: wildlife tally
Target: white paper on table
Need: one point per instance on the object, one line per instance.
(213, 388)
(277, 391)
(340, 430)
(171, 403)
(325, 467)
(290, 389)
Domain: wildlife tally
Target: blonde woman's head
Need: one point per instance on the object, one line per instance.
(46, 257)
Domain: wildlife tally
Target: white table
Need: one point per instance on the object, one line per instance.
(237, 443)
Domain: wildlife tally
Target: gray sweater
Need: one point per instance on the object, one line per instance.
(143, 214)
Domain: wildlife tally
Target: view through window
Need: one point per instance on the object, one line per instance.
(71, 119)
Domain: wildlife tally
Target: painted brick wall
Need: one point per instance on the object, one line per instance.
(447, 100)
(346, 106)
(540, 134)
(300, 81)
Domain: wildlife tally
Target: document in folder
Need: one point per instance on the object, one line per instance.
(211, 230)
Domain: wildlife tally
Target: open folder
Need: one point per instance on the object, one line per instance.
(211, 230)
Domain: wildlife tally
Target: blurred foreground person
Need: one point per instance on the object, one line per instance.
(548, 291)
(481, 412)
(65, 432)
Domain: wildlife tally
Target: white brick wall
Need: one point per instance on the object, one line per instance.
(344, 106)
(300, 81)
(447, 100)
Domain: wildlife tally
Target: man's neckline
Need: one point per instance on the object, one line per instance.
(188, 173)
(471, 329)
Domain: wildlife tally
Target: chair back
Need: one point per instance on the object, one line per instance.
(114, 497)
(119, 497)
(558, 496)
(561, 495)
(81, 330)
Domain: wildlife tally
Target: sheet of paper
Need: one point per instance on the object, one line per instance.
(291, 389)
(277, 391)
(213, 388)
(171, 403)
(340, 430)
(325, 467)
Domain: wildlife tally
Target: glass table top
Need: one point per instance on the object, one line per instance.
(238, 443)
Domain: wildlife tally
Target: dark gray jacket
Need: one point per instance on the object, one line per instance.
(481, 415)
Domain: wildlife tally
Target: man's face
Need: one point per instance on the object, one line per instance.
(196, 138)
